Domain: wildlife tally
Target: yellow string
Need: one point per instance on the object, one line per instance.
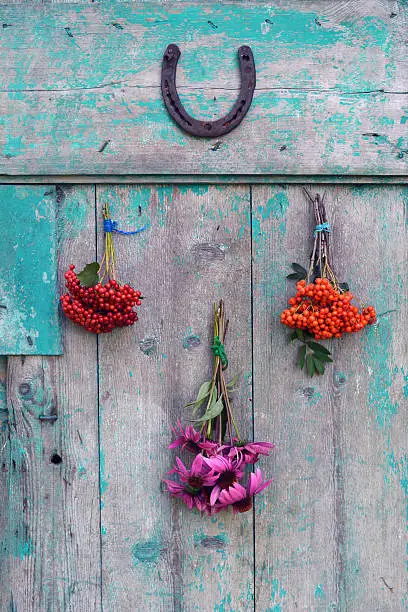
(108, 263)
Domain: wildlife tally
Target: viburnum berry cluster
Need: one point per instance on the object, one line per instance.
(325, 311)
(99, 308)
(322, 307)
(219, 476)
(96, 305)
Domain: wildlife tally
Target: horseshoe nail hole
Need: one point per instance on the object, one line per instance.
(245, 57)
(56, 459)
(208, 126)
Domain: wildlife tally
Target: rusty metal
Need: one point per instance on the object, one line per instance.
(207, 129)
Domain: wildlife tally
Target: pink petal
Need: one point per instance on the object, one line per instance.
(264, 485)
(176, 443)
(182, 468)
(173, 487)
(215, 493)
(197, 465)
(232, 494)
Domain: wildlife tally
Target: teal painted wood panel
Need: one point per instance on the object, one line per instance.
(331, 93)
(29, 321)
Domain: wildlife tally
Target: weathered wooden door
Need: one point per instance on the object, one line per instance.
(84, 523)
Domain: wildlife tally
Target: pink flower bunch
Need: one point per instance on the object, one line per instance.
(214, 482)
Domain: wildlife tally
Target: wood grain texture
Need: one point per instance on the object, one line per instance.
(331, 534)
(157, 554)
(331, 92)
(29, 321)
(50, 544)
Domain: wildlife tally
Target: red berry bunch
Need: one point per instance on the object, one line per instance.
(99, 308)
(324, 311)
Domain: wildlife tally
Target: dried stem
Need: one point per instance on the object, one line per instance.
(320, 264)
(219, 384)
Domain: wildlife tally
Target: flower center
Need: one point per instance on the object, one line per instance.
(227, 479)
(244, 504)
(192, 447)
(195, 482)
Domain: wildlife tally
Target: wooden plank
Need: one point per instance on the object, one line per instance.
(332, 533)
(213, 179)
(331, 92)
(157, 554)
(29, 321)
(370, 401)
(295, 539)
(50, 545)
(3, 466)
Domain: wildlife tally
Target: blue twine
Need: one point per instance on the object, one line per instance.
(323, 227)
(110, 226)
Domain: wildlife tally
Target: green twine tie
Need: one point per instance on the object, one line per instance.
(219, 351)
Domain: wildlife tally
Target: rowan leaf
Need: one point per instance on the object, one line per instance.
(323, 358)
(299, 270)
(310, 366)
(318, 348)
(302, 356)
(319, 366)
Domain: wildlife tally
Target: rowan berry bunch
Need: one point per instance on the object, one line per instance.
(96, 305)
(99, 308)
(322, 307)
(325, 311)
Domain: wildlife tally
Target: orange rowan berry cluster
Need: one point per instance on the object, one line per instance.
(325, 311)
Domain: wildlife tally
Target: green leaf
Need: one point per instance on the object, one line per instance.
(89, 275)
(299, 334)
(299, 270)
(318, 348)
(344, 287)
(310, 364)
(293, 336)
(213, 411)
(319, 366)
(295, 276)
(307, 334)
(323, 358)
(203, 392)
(302, 356)
(232, 383)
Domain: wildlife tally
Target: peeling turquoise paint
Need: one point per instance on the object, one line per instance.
(73, 212)
(147, 551)
(319, 592)
(376, 343)
(104, 479)
(29, 321)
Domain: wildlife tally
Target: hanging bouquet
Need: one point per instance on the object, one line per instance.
(218, 477)
(322, 307)
(95, 299)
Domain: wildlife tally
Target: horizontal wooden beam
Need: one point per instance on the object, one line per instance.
(209, 179)
(80, 92)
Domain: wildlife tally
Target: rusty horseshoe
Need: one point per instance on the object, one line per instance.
(207, 129)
